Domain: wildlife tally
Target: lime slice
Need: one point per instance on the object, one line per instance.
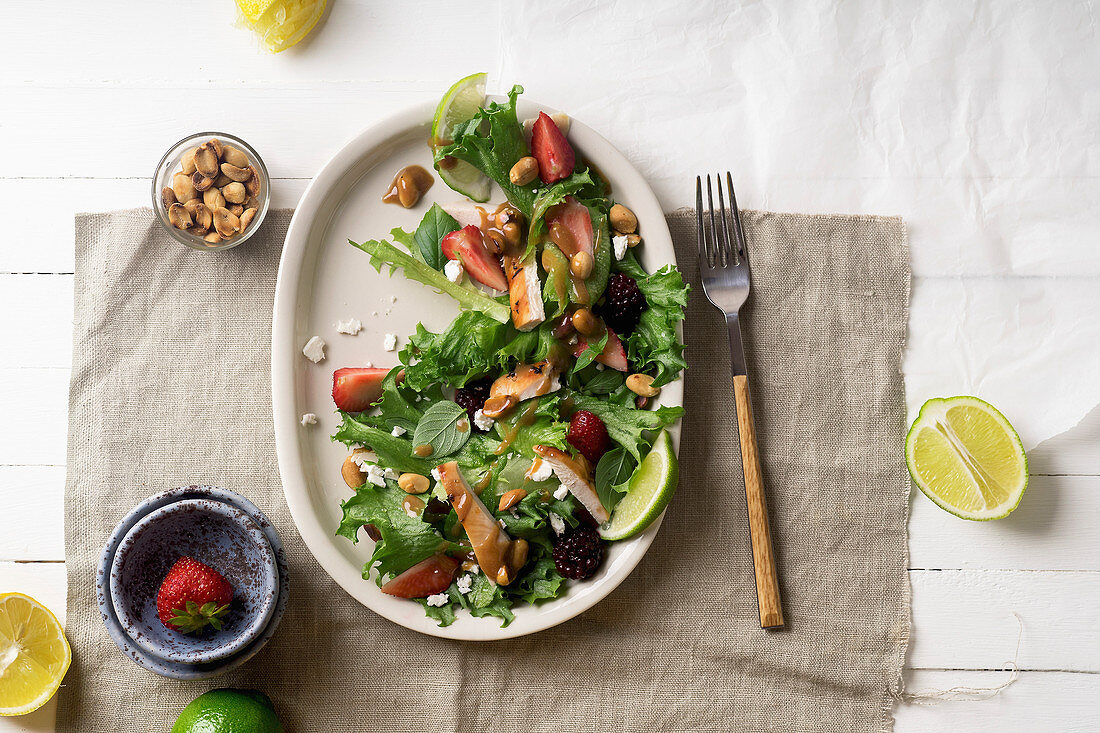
(651, 487)
(459, 104)
(281, 24)
(34, 654)
(965, 456)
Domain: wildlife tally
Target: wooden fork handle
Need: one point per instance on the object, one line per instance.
(763, 557)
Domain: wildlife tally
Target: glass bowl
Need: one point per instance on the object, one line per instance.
(170, 164)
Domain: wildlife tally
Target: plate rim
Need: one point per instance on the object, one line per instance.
(292, 469)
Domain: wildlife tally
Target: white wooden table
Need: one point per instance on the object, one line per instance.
(91, 97)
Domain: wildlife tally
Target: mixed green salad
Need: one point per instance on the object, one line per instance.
(500, 456)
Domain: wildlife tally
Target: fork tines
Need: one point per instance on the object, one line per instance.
(715, 250)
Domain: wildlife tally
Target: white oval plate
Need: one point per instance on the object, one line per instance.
(323, 279)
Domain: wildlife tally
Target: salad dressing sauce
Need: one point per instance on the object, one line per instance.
(408, 185)
(423, 450)
(412, 504)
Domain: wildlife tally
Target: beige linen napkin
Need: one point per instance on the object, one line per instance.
(170, 386)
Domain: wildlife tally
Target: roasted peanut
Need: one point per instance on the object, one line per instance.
(512, 232)
(235, 209)
(187, 162)
(206, 161)
(353, 476)
(202, 216)
(498, 406)
(233, 156)
(168, 196)
(581, 265)
(586, 322)
(201, 182)
(183, 188)
(623, 219)
(246, 218)
(642, 385)
(212, 238)
(216, 145)
(524, 171)
(633, 240)
(413, 483)
(511, 498)
(494, 241)
(213, 198)
(226, 222)
(179, 217)
(253, 184)
(235, 173)
(222, 181)
(234, 193)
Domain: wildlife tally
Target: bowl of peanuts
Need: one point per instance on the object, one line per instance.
(210, 191)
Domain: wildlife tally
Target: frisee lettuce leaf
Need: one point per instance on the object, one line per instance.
(469, 297)
(393, 452)
(653, 345)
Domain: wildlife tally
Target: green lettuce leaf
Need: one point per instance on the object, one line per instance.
(653, 345)
(393, 452)
(626, 425)
(540, 582)
(469, 297)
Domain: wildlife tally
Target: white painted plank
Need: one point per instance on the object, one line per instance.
(1037, 701)
(38, 329)
(40, 214)
(1054, 528)
(360, 40)
(967, 620)
(31, 522)
(1075, 451)
(34, 403)
(46, 583)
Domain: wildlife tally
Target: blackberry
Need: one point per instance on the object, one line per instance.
(577, 553)
(624, 303)
(472, 397)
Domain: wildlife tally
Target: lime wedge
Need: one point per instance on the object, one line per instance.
(965, 456)
(651, 487)
(459, 104)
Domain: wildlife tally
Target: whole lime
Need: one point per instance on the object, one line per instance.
(229, 711)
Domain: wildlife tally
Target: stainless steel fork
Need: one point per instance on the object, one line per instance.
(724, 269)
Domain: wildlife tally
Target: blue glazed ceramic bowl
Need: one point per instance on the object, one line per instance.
(216, 534)
(180, 670)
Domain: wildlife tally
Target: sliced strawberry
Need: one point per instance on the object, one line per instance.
(424, 579)
(613, 354)
(588, 434)
(467, 245)
(551, 149)
(355, 389)
(576, 220)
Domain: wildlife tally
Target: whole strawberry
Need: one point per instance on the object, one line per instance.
(588, 434)
(193, 596)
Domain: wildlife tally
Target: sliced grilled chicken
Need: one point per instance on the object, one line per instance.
(465, 213)
(574, 476)
(527, 381)
(524, 292)
(499, 555)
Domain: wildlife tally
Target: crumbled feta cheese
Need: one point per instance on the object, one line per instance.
(411, 513)
(368, 364)
(393, 298)
(309, 419)
(362, 459)
(389, 343)
(314, 349)
(398, 431)
(599, 367)
(557, 523)
(483, 421)
(619, 242)
(561, 493)
(464, 584)
(390, 474)
(474, 569)
(351, 326)
(376, 475)
(439, 599)
(453, 270)
(502, 524)
(515, 513)
(374, 313)
(435, 474)
(540, 470)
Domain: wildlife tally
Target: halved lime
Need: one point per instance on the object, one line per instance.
(965, 456)
(459, 104)
(651, 488)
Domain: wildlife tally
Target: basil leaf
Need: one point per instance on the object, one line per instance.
(613, 474)
(604, 382)
(439, 429)
(435, 225)
(595, 348)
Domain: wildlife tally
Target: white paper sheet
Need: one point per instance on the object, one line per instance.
(976, 122)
